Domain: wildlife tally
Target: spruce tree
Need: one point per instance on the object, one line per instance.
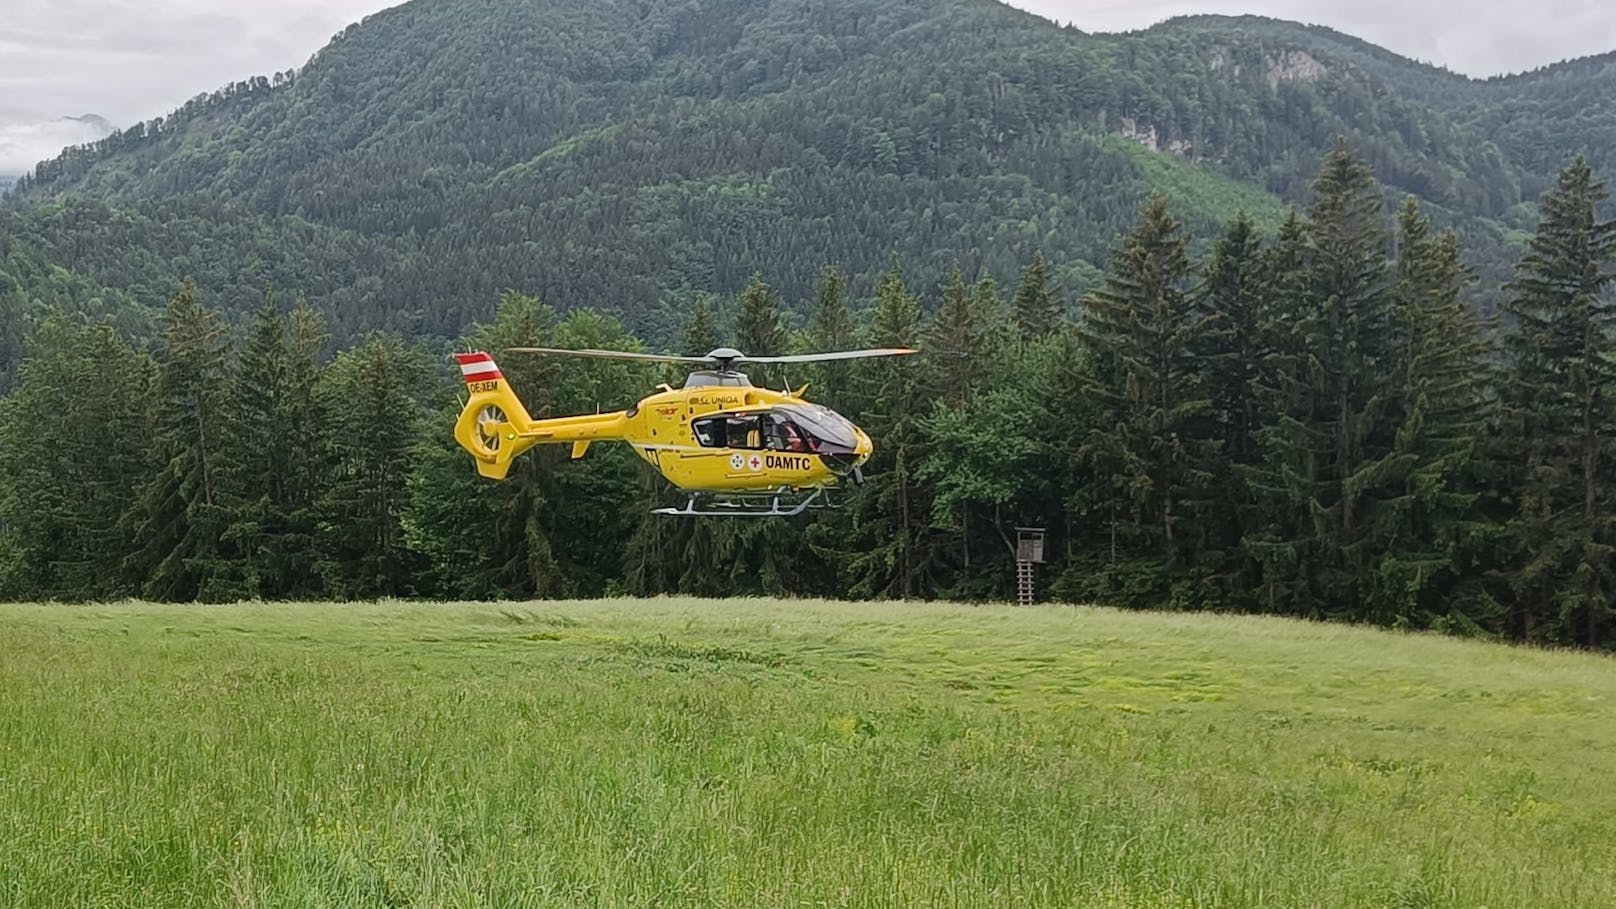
(1330, 474)
(831, 327)
(674, 555)
(1439, 371)
(256, 456)
(13, 330)
(1038, 308)
(1230, 348)
(830, 324)
(760, 328)
(1230, 343)
(958, 340)
(885, 554)
(985, 445)
(700, 333)
(1285, 479)
(370, 456)
(1150, 446)
(180, 523)
(955, 365)
(306, 419)
(606, 482)
(1558, 419)
(72, 459)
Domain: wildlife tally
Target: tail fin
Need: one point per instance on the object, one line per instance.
(493, 425)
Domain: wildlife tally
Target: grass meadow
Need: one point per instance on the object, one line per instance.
(769, 754)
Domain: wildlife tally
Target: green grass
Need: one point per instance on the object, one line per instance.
(759, 754)
(1192, 190)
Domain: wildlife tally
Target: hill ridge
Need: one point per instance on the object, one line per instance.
(776, 136)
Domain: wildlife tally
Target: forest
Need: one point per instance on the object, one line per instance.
(1306, 420)
(627, 155)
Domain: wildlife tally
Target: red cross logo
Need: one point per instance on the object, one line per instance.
(755, 463)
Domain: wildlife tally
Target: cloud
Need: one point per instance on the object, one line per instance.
(132, 60)
(22, 145)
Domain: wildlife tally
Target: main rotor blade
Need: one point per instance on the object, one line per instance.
(835, 355)
(611, 355)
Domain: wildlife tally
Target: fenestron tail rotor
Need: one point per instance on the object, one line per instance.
(489, 420)
(723, 359)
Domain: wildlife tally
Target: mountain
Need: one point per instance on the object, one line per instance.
(625, 153)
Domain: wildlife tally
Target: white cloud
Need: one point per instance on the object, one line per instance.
(131, 60)
(22, 145)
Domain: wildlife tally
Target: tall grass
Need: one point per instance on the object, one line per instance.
(753, 754)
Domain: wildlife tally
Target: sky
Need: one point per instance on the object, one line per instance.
(130, 60)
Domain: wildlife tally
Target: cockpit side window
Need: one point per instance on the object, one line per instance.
(730, 431)
(744, 432)
(711, 432)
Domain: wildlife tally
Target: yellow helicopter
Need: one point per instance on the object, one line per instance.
(733, 448)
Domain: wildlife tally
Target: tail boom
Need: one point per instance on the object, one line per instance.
(494, 427)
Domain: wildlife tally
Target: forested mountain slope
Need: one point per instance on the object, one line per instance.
(620, 153)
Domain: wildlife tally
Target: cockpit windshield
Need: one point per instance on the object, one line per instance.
(807, 428)
(822, 423)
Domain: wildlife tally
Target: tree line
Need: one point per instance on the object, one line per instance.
(1312, 423)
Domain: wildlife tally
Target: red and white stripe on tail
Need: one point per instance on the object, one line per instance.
(478, 367)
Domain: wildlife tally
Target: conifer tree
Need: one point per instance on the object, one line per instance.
(1558, 419)
(700, 333)
(371, 455)
(1229, 299)
(954, 351)
(1439, 373)
(269, 452)
(1038, 308)
(830, 324)
(1286, 473)
(72, 460)
(1150, 445)
(675, 555)
(831, 327)
(307, 418)
(887, 556)
(958, 338)
(760, 328)
(12, 330)
(605, 484)
(180, 522)
(1230, 349)
(985, 445)
(1330, 470)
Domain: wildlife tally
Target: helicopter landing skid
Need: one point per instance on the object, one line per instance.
(761, 505)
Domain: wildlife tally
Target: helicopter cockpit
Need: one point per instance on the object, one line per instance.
(806, 428)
